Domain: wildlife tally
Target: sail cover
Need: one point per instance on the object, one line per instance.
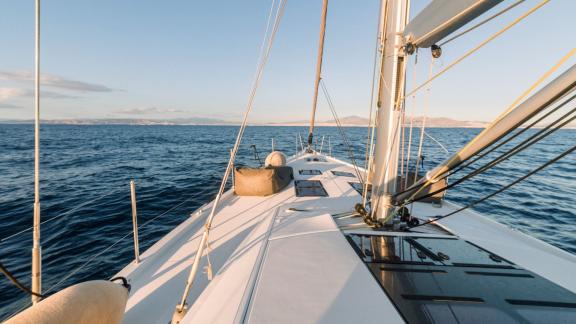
(442, 17)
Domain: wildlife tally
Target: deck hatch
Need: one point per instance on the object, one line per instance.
(310, 172)
(343, 174)
(360, 188)
(309, 188)
(449, 280)
(316, 159)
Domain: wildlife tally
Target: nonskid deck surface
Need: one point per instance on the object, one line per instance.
(284, 258)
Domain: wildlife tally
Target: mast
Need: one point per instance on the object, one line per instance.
(384, 170)
(36, 247)
(318, 73)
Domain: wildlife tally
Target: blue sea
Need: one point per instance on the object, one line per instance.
(85, 193)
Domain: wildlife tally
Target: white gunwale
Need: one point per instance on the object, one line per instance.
(242, 233)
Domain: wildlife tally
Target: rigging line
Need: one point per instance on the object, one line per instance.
(375, 67)
(370, 159)
(260, 69)
(58, 216)
(513, 151)
(424, 117)
(268, 21)
(513, 136)
(70, 211)
(501, 189)
(402, 139)
(473, 50)
(437, 142)
(412, 109)
(318, 76)
(502, 115)
(166, 212)
(452, 172)
(481, 23)
(341, 130)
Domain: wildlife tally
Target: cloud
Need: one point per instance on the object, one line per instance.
(55, 81)
(147, 111)
(10, 93)
(8, 106)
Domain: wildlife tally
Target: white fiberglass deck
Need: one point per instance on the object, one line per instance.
(284, 258)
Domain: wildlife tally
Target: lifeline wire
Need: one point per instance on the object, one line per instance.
(59, 216)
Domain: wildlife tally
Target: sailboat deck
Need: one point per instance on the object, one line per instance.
(284, 258)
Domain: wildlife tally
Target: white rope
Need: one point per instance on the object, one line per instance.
(372, 122)
(423, 127)
(260, 69)
(264, 42)
(437, 142)
(375, 67)
(412, 109)
(341, 130)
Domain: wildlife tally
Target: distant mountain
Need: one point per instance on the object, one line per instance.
(447, 122)
(357, 121)
(349, 121)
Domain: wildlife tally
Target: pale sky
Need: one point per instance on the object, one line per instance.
(182, 59)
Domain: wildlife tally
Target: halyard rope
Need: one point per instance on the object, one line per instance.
(412, 109)
(349, 148)
(372, 113)
(268, 40)
(423, 126)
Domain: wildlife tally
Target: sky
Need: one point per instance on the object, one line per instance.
(189, 59)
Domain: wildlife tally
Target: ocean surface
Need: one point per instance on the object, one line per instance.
(85, 194)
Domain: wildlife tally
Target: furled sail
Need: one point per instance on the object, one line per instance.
(442, 17)
(555, 90)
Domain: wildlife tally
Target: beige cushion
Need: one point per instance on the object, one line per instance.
(261, 182)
